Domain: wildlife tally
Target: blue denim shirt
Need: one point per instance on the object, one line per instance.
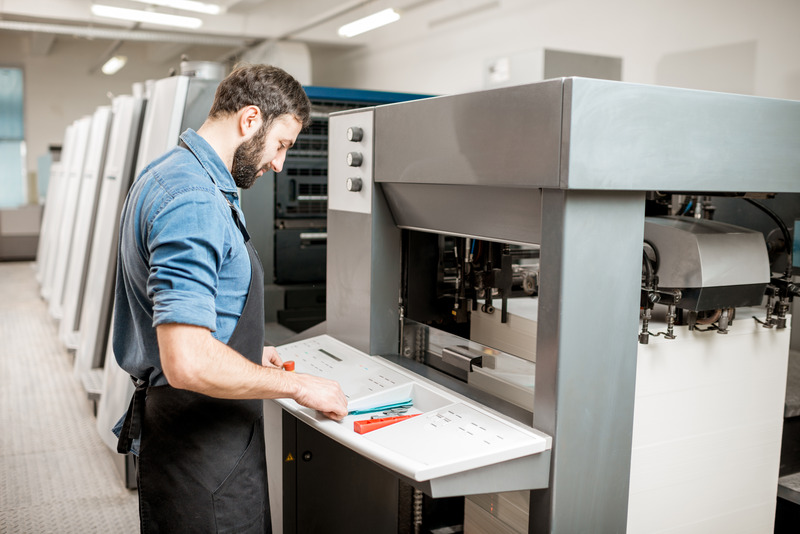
(181, 257)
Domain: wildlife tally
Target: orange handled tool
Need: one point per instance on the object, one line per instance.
(368, 425)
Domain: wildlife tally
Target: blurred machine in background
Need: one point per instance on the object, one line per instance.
(76, 261)
(286, 216)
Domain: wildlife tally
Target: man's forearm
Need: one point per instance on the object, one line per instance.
(192, 359)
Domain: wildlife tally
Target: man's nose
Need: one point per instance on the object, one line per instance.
(277, 163)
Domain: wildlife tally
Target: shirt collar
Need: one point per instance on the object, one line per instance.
(210, 160)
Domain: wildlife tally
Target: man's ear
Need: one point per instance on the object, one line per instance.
(249, 120)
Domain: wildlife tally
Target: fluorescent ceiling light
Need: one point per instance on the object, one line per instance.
(186, 5)
(113, 64)
(146, 16)
(376, 20)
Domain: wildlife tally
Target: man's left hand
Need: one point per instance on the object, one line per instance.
(270, 358)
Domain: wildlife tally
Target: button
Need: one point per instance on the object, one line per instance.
(354, 159)
(355, 134)
(353, 184)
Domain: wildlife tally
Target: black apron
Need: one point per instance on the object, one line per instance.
(202, 464)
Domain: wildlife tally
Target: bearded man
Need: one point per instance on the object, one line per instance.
(189, 316)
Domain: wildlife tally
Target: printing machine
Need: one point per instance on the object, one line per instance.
(286, 215)
(572, 365)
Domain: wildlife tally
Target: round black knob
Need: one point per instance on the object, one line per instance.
(307, 456)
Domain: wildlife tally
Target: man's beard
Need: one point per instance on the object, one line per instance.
(247, 159)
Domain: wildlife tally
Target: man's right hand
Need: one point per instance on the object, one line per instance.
(321, 394)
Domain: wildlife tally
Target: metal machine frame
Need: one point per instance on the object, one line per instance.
(565, 164)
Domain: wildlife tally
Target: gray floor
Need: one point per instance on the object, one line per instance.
(56, 475)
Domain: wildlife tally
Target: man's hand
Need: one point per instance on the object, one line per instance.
(270, 358)
(321, 394)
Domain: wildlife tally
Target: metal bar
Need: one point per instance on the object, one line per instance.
(586, 369)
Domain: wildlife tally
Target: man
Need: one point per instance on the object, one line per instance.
(189, 315)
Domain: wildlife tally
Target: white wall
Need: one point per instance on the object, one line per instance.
(59, 88)
(450, 57)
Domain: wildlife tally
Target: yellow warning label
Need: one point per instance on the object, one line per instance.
(289, 458)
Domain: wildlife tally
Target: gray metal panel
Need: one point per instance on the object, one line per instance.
(363, 254)
(348, 278)
(642, 137)
(363, 274)
(616, 135)
(493, 213)
(503, 137)
(586, 357)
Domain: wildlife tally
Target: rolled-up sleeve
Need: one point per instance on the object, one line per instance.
(186, 241)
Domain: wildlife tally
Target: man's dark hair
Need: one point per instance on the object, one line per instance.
(272, 89)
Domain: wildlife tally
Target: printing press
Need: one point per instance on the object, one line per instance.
(530, 273)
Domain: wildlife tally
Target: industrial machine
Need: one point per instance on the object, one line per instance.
(491, 273)
(83, 227)
(286, 215)
(63, 207)
(51, 216)
(176, 103)
(98, 298)
(168, 107)
(77, 258)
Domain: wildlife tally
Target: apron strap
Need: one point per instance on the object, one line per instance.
(132, 426)
(238, 221)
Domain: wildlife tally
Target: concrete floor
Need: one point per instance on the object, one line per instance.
(56, 474)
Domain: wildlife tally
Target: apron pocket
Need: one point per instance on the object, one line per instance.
(240, 502)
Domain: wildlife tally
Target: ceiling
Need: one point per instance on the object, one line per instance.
(243, 22)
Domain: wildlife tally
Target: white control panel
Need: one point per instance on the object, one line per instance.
(450, 434)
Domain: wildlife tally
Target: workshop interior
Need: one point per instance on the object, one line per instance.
(549, 251)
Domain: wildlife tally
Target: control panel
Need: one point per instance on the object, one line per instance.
(350, 161)
(430, 432)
